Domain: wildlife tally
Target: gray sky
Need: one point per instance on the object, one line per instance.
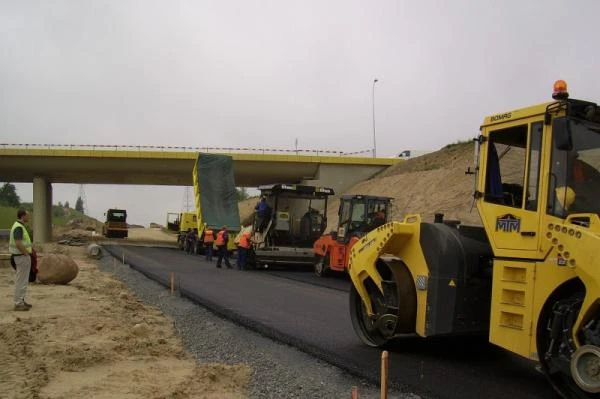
(263, 73)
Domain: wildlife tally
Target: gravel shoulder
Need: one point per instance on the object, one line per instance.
(277, 370)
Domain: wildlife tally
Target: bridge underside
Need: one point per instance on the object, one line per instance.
(171, 172)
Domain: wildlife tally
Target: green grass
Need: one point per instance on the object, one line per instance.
(8, 216)
(458, 143)
(60, 217)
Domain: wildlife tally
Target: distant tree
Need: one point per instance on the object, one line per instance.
(58, 211)
(66, 204)
(60, 204)
(242, 194)
(8, 195)
(79, 205)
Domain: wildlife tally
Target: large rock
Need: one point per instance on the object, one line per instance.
(56, 269)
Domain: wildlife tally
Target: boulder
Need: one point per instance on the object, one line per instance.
(56, 269)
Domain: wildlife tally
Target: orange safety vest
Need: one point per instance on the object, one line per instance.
(220, 238)
(244, 241)
(209, 236)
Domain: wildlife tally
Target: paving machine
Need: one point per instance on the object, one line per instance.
(529, 277)
(293, 219)
(357, 215)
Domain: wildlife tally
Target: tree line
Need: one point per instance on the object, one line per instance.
(9, 197)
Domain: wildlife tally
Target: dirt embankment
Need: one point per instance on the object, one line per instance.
(429, 184)
(93, 338)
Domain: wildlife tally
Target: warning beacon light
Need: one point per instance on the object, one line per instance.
(560, 90)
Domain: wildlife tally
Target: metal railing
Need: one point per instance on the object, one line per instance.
(140, 148)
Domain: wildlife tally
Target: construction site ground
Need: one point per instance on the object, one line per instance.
(94, 338)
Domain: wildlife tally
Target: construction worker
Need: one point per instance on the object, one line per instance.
(221, 243)
(191, 241)
(243, 247)
(209, 240)
(20, 248)
(262, 214)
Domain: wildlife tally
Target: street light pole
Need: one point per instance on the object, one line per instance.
(374, 140)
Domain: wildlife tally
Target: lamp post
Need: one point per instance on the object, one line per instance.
(374, 140)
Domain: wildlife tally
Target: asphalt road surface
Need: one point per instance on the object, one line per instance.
(311, 313)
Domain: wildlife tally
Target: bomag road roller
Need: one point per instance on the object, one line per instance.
(530, 277)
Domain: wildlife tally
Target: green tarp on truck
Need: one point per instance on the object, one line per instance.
(215, 193)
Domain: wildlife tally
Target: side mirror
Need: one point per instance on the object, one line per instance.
(561, 131)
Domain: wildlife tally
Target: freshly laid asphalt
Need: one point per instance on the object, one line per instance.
(311, 313)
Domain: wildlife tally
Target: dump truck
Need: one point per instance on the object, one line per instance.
(529, 276)
(357, 215)
(115, 224)
(294, 219)
(215, 196)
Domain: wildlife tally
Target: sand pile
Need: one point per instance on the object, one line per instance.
(92, 338)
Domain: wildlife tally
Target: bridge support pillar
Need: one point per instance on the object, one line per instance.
(42, 209)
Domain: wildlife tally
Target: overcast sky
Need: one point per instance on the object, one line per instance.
(265, 73)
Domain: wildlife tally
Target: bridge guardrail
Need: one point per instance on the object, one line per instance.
(101, 147)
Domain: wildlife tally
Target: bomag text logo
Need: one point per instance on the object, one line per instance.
(501, 117)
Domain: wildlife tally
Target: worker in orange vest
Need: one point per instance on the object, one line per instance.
(243, 248)
(209, 240)
(221, 243)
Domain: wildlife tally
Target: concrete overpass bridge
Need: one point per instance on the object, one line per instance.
(99, 164)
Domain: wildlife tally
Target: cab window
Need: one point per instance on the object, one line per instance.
(506, 166)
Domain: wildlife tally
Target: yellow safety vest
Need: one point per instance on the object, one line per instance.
(12, 245)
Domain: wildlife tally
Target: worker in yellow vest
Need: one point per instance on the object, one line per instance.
(221, 243)
(242, 251)
(208, 240)
(20, 248)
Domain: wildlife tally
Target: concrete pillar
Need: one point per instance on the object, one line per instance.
(49, 210)
(42, 209)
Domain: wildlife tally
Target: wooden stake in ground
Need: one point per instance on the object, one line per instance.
(354, 394)
(172, 283)
(384, 374)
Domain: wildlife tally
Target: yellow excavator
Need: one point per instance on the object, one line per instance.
(529, 276)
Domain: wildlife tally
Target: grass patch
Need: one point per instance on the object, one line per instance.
(60, 216)
(457, 143)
